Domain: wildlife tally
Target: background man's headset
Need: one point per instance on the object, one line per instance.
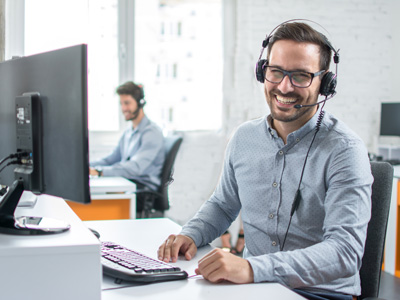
(327, 89)
(329, 80)
(141, 101)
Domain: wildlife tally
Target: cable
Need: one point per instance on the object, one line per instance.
(14, 162)
(3, 191)
(17, 155)
(5, 159)
(297, 197)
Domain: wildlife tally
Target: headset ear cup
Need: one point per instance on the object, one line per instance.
(142, 102)
(260, 70)
(328, 84)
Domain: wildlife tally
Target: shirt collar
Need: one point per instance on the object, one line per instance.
(297, 135)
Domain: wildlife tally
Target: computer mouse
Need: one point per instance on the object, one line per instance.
(95, 233)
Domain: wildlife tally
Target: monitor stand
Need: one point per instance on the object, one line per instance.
(28, 199)
(24, 225)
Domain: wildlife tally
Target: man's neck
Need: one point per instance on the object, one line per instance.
(285, 128)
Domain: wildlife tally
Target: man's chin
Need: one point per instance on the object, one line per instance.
(128, 117)
(286, 115)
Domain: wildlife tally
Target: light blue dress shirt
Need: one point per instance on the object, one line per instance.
(325, 243)
(138, 156)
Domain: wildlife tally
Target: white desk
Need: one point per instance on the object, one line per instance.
(103, 188)
(60, 266)
(396, 171)
(112, 198)
(392, 246)
(146, 235)
(111, 185)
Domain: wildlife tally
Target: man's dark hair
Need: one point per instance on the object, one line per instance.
(132, 89)
(303, 33)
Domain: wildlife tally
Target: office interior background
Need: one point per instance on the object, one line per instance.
(196, 59)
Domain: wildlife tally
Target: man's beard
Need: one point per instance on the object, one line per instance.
(295, 115)
(133, 115)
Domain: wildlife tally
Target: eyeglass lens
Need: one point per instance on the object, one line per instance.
(299, 79)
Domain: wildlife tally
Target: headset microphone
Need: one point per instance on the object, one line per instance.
(298, 106)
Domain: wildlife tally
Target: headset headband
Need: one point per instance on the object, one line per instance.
(269, 36)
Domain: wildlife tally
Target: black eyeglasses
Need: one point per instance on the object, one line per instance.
(299, 79)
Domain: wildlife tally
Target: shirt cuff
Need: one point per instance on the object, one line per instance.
(262, 269)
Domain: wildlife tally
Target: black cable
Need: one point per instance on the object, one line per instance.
(3, 191)
(297, 197)
(14, 162)
(17, 155)
(5, 159)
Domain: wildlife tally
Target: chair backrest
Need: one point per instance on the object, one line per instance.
(370, 272)
(172, 145)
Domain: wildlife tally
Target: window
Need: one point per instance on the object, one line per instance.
(51, 25)
(172, 47)
(180, 65)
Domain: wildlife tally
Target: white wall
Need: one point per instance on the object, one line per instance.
(365, 33)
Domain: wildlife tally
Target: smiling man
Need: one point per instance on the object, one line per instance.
(139, 155)
(300, 177)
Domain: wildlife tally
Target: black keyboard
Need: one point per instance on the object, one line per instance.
(125, 264)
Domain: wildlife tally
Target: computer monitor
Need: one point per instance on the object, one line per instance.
(390, 119)
(43, 126)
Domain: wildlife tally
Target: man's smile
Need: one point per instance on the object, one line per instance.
(285, 101)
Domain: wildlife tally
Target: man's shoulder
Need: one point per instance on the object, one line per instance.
(251, 130)
(151, 126)
(339, 131)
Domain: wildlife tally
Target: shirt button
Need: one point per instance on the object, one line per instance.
(281, 152)
(297, 140)
(274, 184)
(273, 243)
(271, 216)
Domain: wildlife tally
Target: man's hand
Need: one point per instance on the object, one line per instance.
(218, 265)
(93, 172)
(174, 245)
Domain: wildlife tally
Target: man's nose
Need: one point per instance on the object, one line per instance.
(286, 85)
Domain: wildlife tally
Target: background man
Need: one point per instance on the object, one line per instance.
(281, 159)
(139, 155)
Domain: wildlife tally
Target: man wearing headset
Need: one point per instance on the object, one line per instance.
(304, 194)
(139, 155)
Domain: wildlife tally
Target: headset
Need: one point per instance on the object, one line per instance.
(329, 80)
(141, 101)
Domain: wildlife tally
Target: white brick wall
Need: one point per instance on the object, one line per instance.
(197, 169)
(365, 32)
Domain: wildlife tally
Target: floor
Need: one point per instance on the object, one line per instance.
(390, 287)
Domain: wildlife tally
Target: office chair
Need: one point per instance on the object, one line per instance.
(370, 272)
(158, 200)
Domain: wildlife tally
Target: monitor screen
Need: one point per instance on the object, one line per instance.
(50, 88)
(390, 119)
